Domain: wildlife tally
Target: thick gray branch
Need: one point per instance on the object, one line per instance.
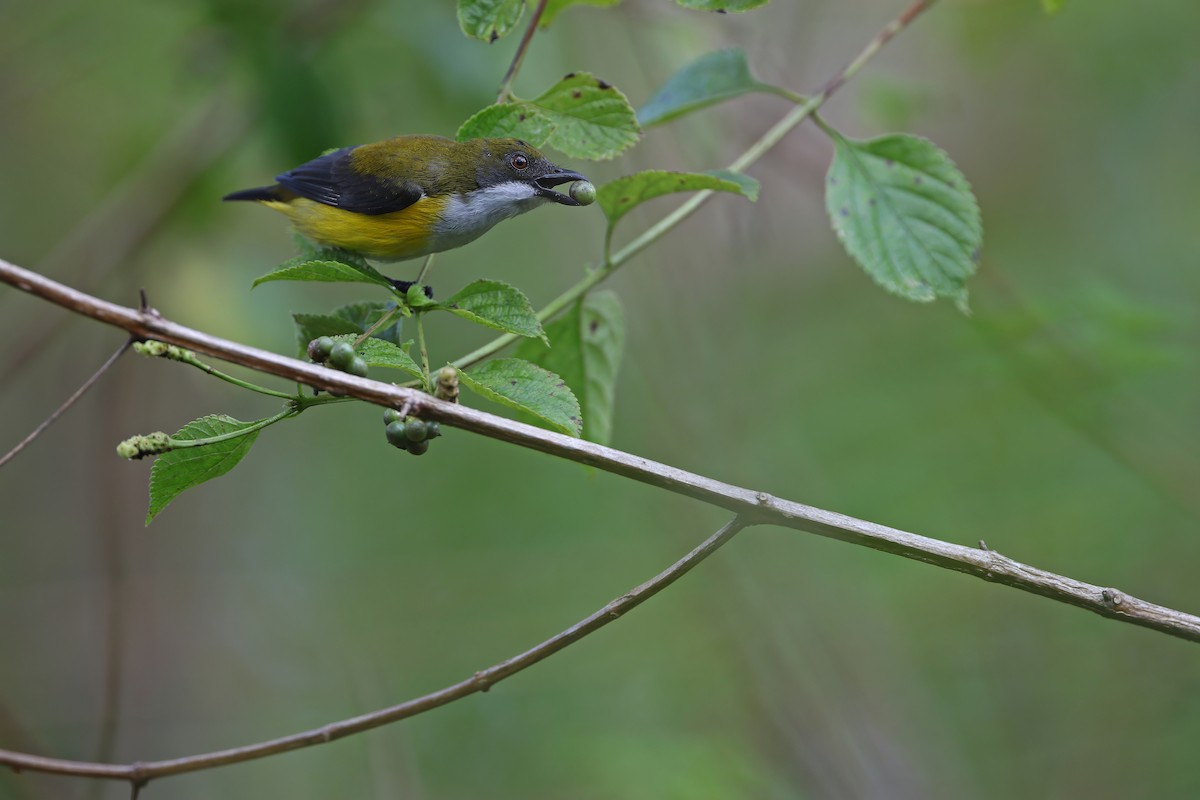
(757, 507)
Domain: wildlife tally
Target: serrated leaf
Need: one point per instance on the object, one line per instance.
(709, 79)
(178, 470)
(580, 115)
(303, 269)
(556, 7)
(620, 196)
(722, 5)
(526, 387)
(488, 20)
(496, 305)
(906, 214)
(378, 353)
(586, 347)
(355, 318)
(518, 120)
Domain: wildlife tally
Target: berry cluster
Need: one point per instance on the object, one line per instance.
(410, 434)
(337, 355)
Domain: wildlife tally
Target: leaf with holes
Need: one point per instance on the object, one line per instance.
(580, 115)
(906, 214)
(526, 387)
(178, 470)
(586, 347)
(488, 20)
(709, 79)
(304, 269)
(517, 120)
(496, 305)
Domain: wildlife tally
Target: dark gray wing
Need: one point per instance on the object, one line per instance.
(332, 180)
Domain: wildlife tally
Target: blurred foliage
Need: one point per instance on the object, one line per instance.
(334, 575)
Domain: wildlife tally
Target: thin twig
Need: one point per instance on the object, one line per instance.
(70, 401)
(141, 772)
(760, 506)
(518, 57)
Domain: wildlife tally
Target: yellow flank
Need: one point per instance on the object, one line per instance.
(397, 236)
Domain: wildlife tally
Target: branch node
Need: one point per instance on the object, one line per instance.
(983, 546)
(1112, 598)
(326, 734)
(483, 680)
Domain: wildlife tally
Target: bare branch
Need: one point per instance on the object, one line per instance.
(70, 401)
(139, 773)
(758, 506)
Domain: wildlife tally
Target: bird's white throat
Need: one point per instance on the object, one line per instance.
(469, 216)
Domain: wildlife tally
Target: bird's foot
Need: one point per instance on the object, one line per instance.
(404, 286)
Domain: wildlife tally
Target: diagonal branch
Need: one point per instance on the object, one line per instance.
(143, 771)
(757, 506)
(70, 401)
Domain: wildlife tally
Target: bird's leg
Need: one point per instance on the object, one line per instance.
(425, 267)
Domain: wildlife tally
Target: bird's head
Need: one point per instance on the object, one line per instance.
(511, 161)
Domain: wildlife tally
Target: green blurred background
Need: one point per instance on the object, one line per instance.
(330, 575)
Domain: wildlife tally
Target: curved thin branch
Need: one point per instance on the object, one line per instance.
(141, 772)
(506, 83)
(70, 401)
(758, 506)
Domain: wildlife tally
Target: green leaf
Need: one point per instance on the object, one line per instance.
(526, 387)
(906, 214)
(709, 79)
(355, 318)
(303, 269)
(496, 305)
(488, 20)
(556, 7)
(378, 353)
(587, 343)
(179, 470)
(620, 196)
(580, 115)
(722, 5)
(518, 120)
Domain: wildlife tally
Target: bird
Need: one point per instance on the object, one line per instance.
(413, 195)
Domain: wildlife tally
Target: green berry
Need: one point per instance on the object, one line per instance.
(432, 430)
(416, 430)
(418, 448)
(340, 356)
(319, 348)
(390, 415)
(358, 366)
(583, 192)
(395, 435)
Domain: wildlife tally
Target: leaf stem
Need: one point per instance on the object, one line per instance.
(189, 357)
(424, 352)
(379, 323)
(179, 444)
(505, 93)
(801, 112)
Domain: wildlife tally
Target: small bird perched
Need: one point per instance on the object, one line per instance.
(412, 196)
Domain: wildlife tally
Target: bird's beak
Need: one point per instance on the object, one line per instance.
(557, 177)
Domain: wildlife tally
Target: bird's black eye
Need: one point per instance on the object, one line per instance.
(518, 162)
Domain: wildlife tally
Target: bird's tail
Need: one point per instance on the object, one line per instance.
(260, 194)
